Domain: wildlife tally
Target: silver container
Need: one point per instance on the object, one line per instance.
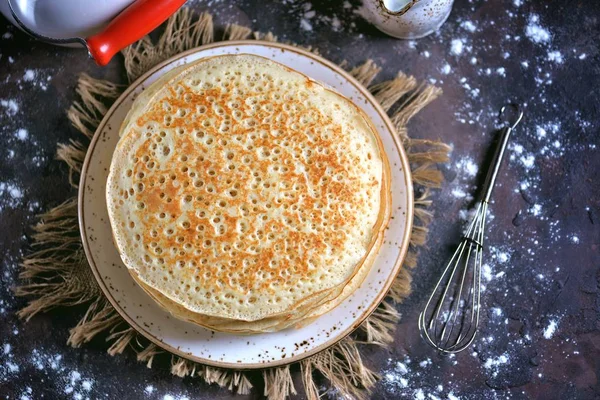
(407, 19)
(65, 18)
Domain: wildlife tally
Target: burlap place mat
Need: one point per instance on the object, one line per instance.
(56, 274)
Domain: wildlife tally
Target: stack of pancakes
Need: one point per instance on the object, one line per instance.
(245, 197)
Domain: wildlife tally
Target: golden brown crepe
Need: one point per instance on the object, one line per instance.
(244, 196)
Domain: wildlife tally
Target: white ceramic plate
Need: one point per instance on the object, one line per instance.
(222, 349)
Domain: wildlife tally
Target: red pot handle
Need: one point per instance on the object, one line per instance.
(136, 21)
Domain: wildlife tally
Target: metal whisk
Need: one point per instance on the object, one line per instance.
(450, 318)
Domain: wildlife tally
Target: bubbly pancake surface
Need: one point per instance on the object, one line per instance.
(240, 187)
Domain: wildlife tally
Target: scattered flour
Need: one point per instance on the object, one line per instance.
(174, 397)
(22, 134)
(486, 271)
(408, 379)
(26, 394)
(456, 46)
(574, 239)
(463, 186)
(469, 26)
(467, 165)
(60, 375)
(459, 193)
(36, 78)
(342, 20)
(11, 107)
(550, 330)
(336, 24)
(310, 14)
(425, 363)
(29, 75)
(11, 195)
(446, 69)
(556, 56)
(42, 360)
(494, 364)
(500, 254)
(66, 380)
(528, 161)
(305, 25)
(535, 32)
(496, 311)
(540, 131)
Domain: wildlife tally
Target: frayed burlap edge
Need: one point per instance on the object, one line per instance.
(56, 273)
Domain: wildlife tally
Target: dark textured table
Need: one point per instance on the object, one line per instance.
(540, 330)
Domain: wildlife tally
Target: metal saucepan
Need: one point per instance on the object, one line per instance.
(104, 27)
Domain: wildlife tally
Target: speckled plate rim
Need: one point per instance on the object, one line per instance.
(339, 335)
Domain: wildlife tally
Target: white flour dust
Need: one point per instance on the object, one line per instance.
(556, 56)
(456, 46)
(469, 26)
(11, 107)
(35, 78)
(22, 134)
(66, 380)
(174, 397)
(574, 239)
(551, 328)
(311, 19)
(63, 375)
(463, 186)
(305, 25)
(29, 75)
(29, 151)
(535, 32)
(406, 378)
(467, 165)
(496, 363)
(11, 195)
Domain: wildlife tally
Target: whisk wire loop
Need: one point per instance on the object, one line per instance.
(449, 323)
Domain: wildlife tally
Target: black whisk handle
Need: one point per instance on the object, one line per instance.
(490, 180)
